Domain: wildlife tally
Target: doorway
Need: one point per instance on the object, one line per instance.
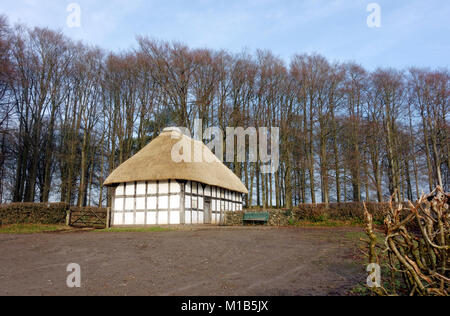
(208, 213)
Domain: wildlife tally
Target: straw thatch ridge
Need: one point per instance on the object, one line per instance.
(154, 162)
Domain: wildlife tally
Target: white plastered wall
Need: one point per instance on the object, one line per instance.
(221, 200)
(159, 203)
(147, 203)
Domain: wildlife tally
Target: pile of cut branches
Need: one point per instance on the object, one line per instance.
(416, 250)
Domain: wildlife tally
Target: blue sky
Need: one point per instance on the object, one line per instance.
(413, 32)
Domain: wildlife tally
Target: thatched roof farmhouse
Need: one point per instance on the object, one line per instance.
(152, 189)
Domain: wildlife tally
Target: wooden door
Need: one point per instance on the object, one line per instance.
(208, 213)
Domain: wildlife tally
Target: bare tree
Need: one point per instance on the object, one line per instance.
(70, 114)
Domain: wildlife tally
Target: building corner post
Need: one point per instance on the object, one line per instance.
(108, 217)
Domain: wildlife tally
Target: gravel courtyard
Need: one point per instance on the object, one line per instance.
(199, 261)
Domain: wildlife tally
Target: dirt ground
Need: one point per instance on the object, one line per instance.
(202, 261)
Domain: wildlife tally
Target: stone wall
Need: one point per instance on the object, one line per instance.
(276, 217)
(234, 218)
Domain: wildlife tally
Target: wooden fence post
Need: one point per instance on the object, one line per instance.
(108, 217)
(68, 217)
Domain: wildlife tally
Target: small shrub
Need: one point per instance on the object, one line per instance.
(319, 218)
(292, 222)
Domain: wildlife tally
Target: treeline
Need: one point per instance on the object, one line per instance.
(71, 113)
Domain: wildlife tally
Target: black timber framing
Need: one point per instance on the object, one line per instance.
(217, 195)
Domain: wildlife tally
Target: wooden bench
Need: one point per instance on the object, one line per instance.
(262, 217)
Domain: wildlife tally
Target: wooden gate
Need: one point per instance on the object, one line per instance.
(87, 217)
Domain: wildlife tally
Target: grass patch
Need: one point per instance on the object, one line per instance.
(357, 236)
(31, 228)
(134, 230)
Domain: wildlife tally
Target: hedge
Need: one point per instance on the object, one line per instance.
(353, 211)
(33, 213)
(340, 211)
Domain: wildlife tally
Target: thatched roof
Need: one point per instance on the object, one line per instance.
(154, 162)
